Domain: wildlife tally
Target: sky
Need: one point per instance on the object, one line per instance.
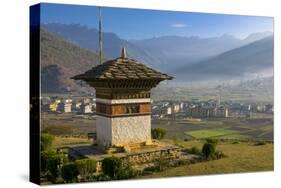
(140, 24)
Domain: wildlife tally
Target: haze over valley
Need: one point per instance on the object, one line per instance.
(69, 49)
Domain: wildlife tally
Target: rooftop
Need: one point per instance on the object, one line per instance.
(122, 68)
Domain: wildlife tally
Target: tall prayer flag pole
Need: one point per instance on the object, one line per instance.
(100, 37)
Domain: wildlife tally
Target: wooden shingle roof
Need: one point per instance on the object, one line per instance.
(122, 68)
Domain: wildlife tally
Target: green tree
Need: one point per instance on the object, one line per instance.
(127, 172)
(86, 167)
(46, 141)
(69, 172)
(54, 164)
(158, 133)
(208, 150)
(212, 141)
(45, 155)
(195, 150)
(111, 166)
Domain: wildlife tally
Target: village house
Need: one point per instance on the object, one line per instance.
(75, 106)
(213, 112)
(269, 108)
(67, 100)
(86, 108)
(53, 106)
(175, 108)
(222, 112)
(167, 110)
(64, 107)
(208, 112)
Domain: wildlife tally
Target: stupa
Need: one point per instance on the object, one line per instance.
(123, 104)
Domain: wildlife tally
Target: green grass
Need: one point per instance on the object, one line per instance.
(241, 157)
(206, 133)
(70, 141)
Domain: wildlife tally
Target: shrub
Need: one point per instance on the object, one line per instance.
(154, 168)
(45, 155)
(100, 177)
(86, 167)
(54, 163)
(127, 172)
(46, 141)
(208, 150)
(160, 164)
(158, 133)
(212, 141)
(111, 166)
(176, 140)
(50, 177)
(181, 162)
(219, 155)
(260, 143)
(69, 172)
(195, 150)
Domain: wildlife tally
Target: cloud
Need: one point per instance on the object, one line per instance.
(179, 25)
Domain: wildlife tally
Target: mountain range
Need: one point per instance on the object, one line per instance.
(252, 59)
(67, 50)
(176, 51)
(165, 53)
(88, 38)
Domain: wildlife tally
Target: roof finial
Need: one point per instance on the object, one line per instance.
(123, 53)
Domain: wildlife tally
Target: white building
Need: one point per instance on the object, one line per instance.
(86, 108)
(176, 108)
(64, 107)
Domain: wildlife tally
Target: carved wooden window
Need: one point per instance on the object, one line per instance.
(102, 108)
(132, 108)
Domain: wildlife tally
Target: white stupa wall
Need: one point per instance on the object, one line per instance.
(123, 130)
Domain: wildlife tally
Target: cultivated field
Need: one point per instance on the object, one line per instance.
(67, 124)
(231, 128)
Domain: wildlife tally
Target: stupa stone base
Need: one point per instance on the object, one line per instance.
(128, 148)
(136, 154)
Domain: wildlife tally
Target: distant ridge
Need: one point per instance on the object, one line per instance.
(253, 58)
(163, 53)
(88, 38)
(61, 60)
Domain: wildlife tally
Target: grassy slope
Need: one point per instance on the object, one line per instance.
(69, 58)
(70, 141)
(242, 157)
